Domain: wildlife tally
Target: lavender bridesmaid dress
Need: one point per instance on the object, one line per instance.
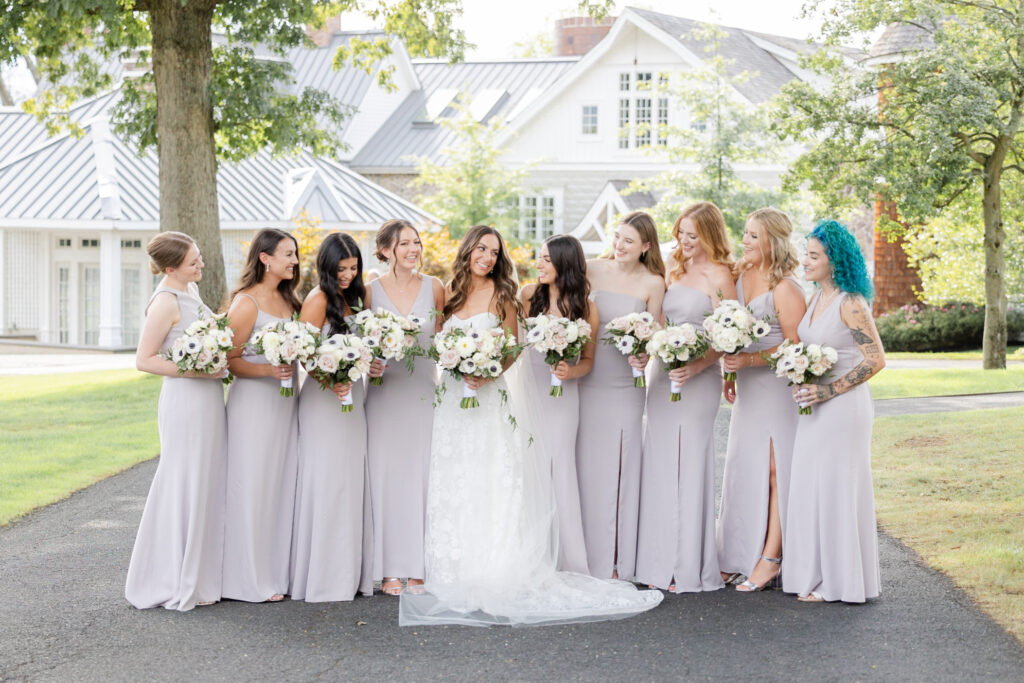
(262, 466)
(676, 540)
(399, 420)
(831, 542)
(609, 445)
(556, 426)
(762, 414)
(328, 530)
(176, 561)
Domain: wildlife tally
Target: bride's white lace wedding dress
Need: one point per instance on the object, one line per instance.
(491, 540)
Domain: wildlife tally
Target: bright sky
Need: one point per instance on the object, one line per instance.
(495, 26)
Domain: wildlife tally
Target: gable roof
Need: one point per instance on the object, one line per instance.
(408, 131)
(99, 178)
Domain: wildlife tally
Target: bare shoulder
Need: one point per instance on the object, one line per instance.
(526, 293)
(596, 265)
(244, 304)
(654, 284)
(163, 303)
(854, 309)
(789, 293)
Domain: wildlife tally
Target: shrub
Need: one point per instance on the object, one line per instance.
(950, 327)
(947, 328)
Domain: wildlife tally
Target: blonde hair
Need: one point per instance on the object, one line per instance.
(168, 250)
(778, 254)
(645, 225)
(711, 233)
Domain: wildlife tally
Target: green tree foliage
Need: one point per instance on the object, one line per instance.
(471, 186)
(197, 102)
(949, 252)
(921, 128)
(722, 130)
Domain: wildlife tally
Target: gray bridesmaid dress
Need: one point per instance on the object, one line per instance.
(556, 427)
(176, 561)
(676, 540)
(399, 421)
(762, 414)
(328, 531)
(609, 445)
(262, 466)
(831, 541)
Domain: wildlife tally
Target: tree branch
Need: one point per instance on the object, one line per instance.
(986, 7)
(1014, 167)
(975, 155)
(5, 94)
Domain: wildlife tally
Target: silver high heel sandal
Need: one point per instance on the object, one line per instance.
(749, 586)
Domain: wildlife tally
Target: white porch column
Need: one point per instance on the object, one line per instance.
(110, 288)
(3, 284)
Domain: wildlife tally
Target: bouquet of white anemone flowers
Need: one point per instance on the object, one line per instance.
(630, 334)
(473, 353)
(389, 336)
(675, 346)
(800, 363)
(343, 358)
(558, 339)
(732, 327)
(283, 343)
(204, 346)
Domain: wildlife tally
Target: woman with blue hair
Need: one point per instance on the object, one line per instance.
(831, 544)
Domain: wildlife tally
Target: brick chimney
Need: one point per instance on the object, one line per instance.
(322, 36)
(575, 36)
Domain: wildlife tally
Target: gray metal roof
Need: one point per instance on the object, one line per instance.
(405, 134)
(634, 200)
(61, 179)
(20, 132)
(768, 73)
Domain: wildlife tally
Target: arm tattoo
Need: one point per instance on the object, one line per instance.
(868, 346)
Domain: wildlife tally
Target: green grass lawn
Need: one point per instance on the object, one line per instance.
(60, 433)
(973, 354)
(903, 383)
(949, 485)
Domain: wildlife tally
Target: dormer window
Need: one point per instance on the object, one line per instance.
(589, 123)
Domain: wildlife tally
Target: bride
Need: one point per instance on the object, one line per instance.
(491, 541)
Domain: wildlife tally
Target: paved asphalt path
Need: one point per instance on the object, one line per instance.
(63, 617)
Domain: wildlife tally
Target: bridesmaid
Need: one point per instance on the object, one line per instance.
(262, 429)
(400, 414)
(327, 532)
(831, 543)
(610, 438)
(752, 519)
(676, 542)
(176, 562)
(562, 291)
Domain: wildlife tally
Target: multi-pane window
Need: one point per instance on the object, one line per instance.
(64, 242)
(590, 119)
(643, 80)
(624, 105)
(90, 305)
(537, 216)
(90, 243)
(131, 298)
(624, 82)
(131, 244)
(643, 122)
(64, 304)
(662, 136)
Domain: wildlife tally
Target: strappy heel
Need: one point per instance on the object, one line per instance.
(749, 586)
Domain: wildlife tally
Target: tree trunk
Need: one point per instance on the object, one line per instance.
(993, 346)
(5, 95)
(182, 69)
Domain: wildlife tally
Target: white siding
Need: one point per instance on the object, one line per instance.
(23, 253)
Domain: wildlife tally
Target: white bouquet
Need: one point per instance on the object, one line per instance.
(283, 343)
(675, 346)
(732, 327)
(473, 353)
(630, 334)
(800, 363)
(389, 336)
(558, 339)
(341, 358)
(204, 346)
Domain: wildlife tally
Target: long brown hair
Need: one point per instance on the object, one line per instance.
(570, 265)
(503, 275)
(265, 242)
(778, 254)
(712, 234)
(648, 229)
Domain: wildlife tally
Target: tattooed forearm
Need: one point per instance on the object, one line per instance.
(864, 334)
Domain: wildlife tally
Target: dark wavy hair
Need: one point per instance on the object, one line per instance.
(335, 248)
(265, 242)
(570, 264)
(503, 275)
(849, 271)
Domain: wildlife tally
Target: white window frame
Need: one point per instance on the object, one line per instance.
(531, 214)
(584, 134)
